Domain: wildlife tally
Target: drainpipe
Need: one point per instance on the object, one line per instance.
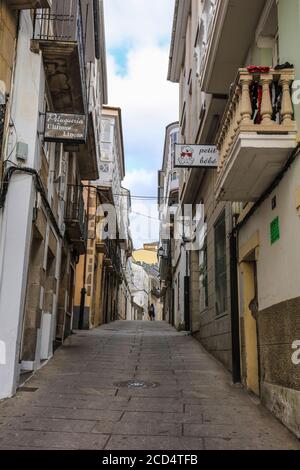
(235, 321)
(97, 23)
(83, 290)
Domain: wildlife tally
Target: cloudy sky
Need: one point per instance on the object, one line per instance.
(138, 34)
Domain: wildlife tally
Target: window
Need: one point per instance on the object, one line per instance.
(107, 132)
(173, 141)
(203, 275)
(220, 266)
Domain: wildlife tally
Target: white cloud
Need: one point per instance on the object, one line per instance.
(148, 101)
(141, 181)
(144, 219)
(138, 22)
(141, 29)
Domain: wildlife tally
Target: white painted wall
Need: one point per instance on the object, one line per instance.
(17, 217)
(140, 287)
(279, 264)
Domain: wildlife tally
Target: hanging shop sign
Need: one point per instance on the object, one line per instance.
(71, 128)
(196, 156)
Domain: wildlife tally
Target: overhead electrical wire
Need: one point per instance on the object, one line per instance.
(132, 196)
(144, 215)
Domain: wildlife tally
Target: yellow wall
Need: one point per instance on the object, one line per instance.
(97, 294)
(145, 256)
(79, 281)
(247, 271)
(8, 31)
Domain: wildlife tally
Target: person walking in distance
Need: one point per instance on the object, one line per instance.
(152, 312)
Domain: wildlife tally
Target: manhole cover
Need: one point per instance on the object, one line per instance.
(136, 384)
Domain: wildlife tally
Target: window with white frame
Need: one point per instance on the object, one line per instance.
(203, 34)
(107, 132)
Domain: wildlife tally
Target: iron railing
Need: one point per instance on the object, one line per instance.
(113, 253)
(75, 211)
(62, 23)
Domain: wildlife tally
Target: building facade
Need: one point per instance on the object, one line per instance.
(237, 66)
(146, 282)
(140, 292)
(173, 254)
(147, 254)
(102, 287)
(154, 290)
(126, 245)
(202, 295)
(46, 154)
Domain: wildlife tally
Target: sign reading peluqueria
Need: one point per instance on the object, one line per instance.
(65, 128)
(190, 156)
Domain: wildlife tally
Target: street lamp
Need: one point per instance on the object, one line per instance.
(161, 252)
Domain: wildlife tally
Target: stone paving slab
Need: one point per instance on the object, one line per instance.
(155, 404)
(154, 443)
(79, 403)
(139, 429)
(82, 414)
(92, 404)
(52, 425)
(160, 417)
(53, 440)
(225, 431)
(159, 392)
(245, 444)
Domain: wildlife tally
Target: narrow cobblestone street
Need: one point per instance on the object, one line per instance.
(76, 401)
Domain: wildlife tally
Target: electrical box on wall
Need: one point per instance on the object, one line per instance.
(22, 151)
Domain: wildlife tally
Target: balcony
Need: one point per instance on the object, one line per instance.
(76, 219)
(100, 246)
(174, 183)
(87, 154)
(257, 134)
(27, 4)
(58, 34)
(229, 26)
(101, 242)
(108, 260)
(112, 258)
(165, 260)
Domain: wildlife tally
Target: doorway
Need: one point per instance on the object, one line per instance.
(32, 311)
(248, 269)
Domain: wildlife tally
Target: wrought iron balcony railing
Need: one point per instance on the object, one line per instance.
(113, 256)
(76, 217)
(58, 32)
(29, 4)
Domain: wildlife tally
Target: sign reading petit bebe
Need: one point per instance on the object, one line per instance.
(196, 156)
(65, 128)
